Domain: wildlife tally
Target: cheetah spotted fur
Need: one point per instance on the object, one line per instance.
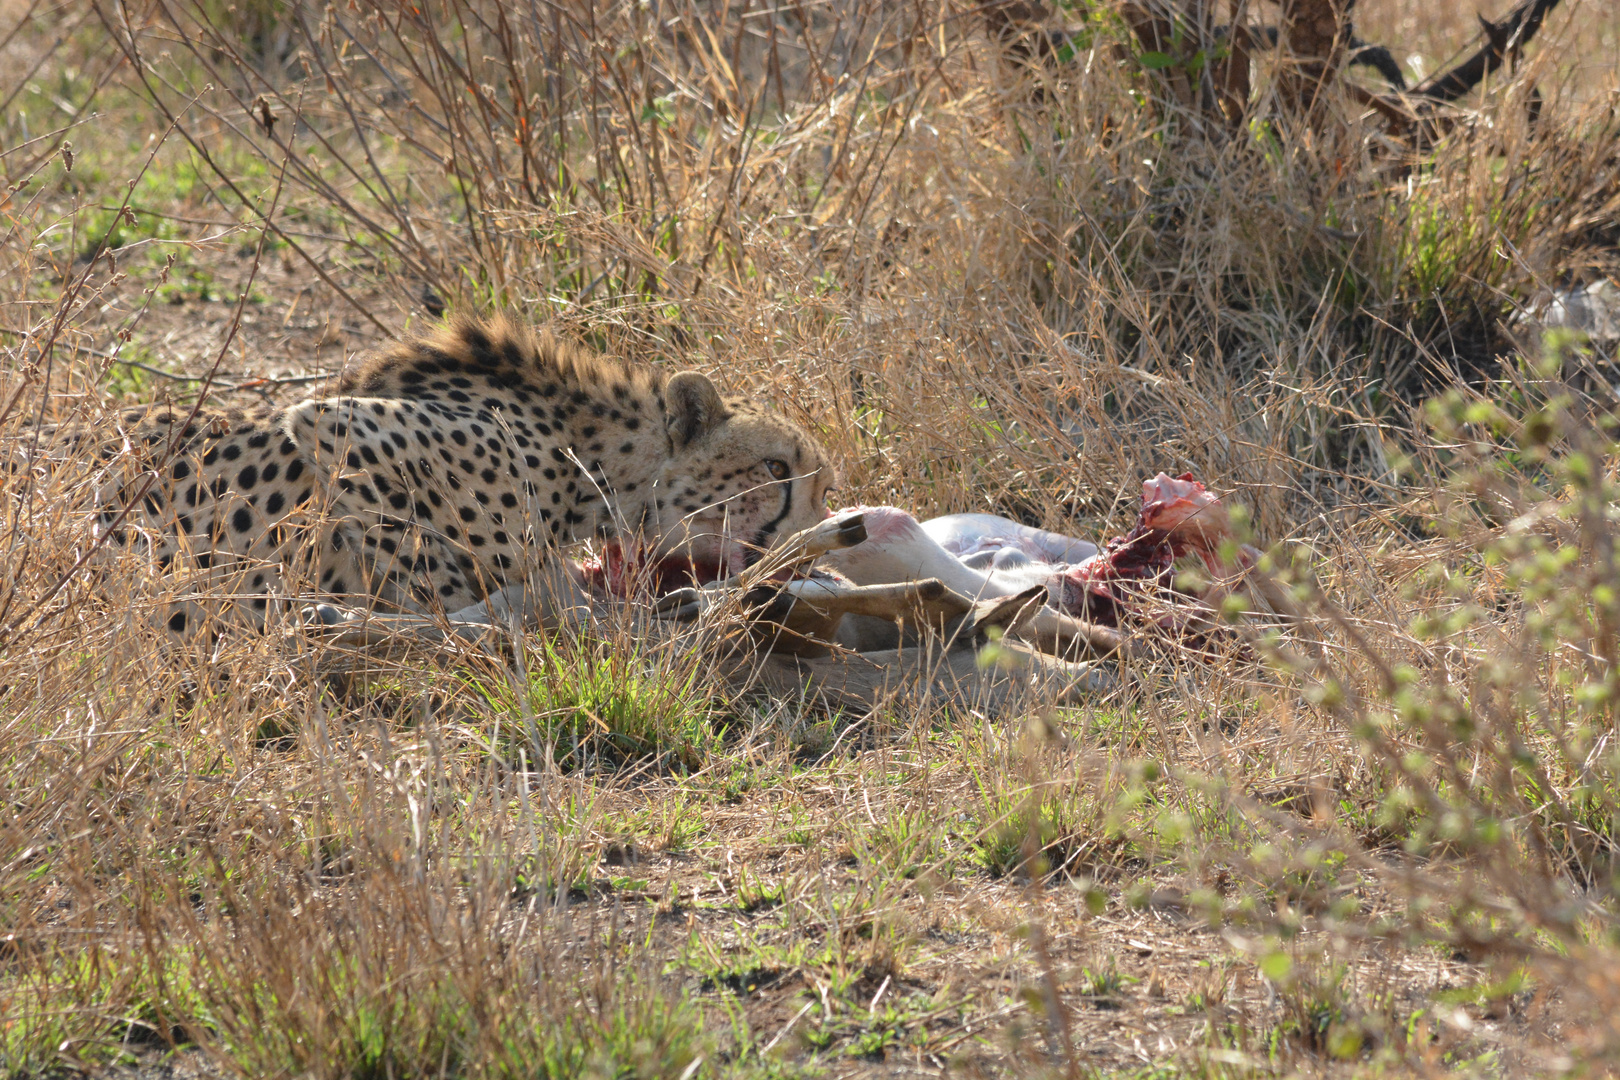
(453, 467)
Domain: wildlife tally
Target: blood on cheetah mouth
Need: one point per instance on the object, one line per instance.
(615, 574)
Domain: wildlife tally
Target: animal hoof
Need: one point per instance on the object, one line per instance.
(686, 612)
(325, 615)
(852, 531)
(678, 600)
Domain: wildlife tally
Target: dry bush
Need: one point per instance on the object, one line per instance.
(989, 283)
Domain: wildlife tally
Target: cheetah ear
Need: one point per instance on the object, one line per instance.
(693, 406)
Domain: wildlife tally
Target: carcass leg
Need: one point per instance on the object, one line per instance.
(553, 598)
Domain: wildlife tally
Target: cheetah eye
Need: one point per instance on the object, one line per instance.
(777, 469)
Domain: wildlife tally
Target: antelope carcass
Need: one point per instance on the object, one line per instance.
(872, 603)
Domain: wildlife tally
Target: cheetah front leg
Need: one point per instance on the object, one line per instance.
(554, 598)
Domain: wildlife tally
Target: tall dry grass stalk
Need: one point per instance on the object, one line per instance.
(989, 285)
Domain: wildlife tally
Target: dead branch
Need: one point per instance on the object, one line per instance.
(1502, 40)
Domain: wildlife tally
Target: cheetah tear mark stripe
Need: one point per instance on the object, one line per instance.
(770, 527)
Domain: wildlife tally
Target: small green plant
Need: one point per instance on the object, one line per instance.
(1318, 1014)
(96, 1002)
(757, 894)
(128, 379)
(187, 282)
(588, 703)
(673, 824)
(110, 228)
(904, 843)
(799, 833)
(1104, 986)
(753, 965)
(1028, 835)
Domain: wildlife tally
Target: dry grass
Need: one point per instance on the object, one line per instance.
(990, 287)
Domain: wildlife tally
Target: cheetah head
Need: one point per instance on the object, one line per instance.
(738, 479)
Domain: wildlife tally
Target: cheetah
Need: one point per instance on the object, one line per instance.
(447, 475)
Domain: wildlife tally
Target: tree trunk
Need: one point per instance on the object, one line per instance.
(1315, 38)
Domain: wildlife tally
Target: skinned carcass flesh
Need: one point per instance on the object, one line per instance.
(982, 556)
